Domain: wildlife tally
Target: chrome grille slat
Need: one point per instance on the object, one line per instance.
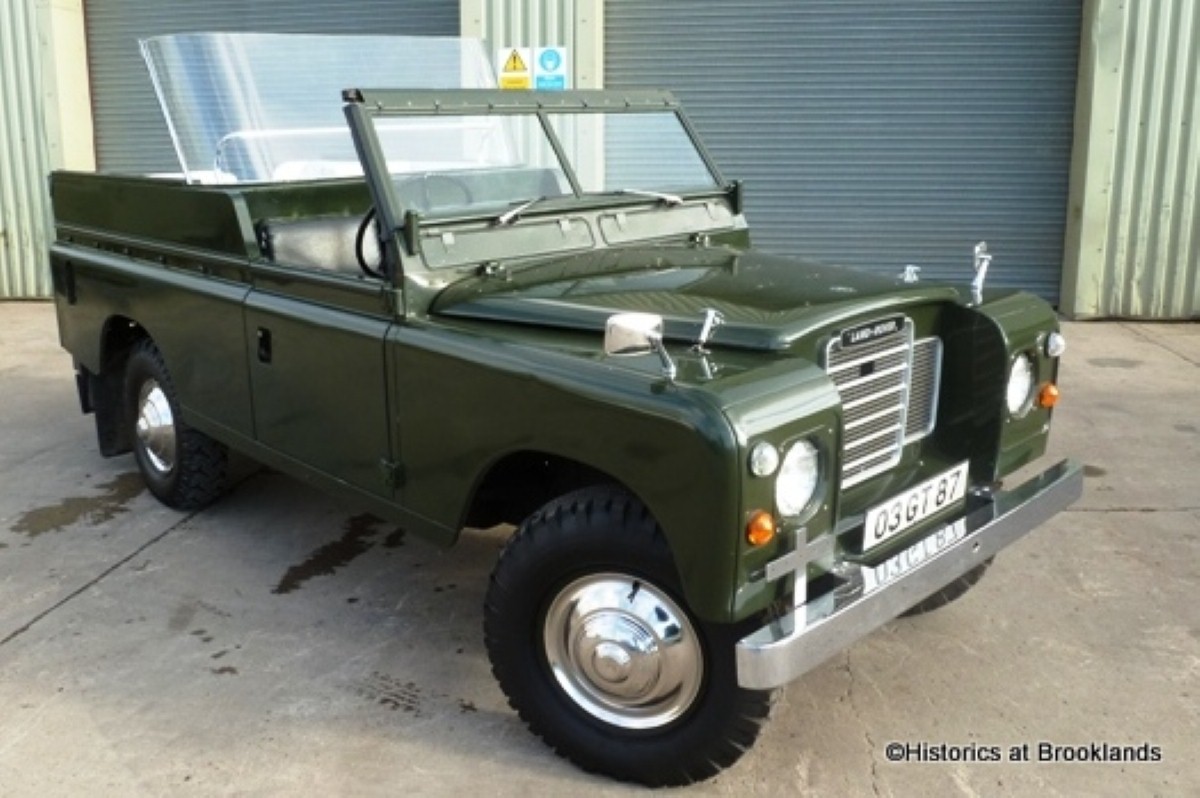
(872, 431)
(876, 435)
(876, 416)
(888, 387)
(878, 375)
(876, 459)
(902, 351)
(926, 385)
(868, 398)
(873, 427)
(858, 396)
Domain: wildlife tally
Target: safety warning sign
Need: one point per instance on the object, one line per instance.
(541, 68)
(513, 68)
(550, 69)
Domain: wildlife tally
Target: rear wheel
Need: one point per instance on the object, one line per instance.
(183, 467)
(592, 643)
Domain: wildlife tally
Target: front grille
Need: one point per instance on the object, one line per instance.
(923, 388)
(888, 387)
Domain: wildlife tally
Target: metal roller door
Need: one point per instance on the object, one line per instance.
(130, 133)
(876, 134)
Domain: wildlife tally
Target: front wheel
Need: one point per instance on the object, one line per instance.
(591, 641)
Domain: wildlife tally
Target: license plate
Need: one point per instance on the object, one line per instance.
(906, 510)
(913, 557)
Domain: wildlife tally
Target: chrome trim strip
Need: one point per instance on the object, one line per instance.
(865, 439)
(895, 350)
(792, 645)
(872, 377)
(874, 397)
(935, 388)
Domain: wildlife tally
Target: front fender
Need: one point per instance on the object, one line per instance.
(462, 400)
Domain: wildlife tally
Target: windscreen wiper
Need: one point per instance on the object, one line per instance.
(670, 199)
(512, 214)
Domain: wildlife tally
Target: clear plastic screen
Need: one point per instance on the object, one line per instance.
(448, 162)
(259, 107)
(645, 150)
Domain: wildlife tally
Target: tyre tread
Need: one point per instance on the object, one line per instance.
(573, 518)
(201, 469)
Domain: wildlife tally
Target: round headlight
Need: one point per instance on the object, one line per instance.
(1019, 396)
(797, 480)
(1055, 344)
(764, 459)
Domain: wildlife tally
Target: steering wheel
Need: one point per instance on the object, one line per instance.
(360, 252)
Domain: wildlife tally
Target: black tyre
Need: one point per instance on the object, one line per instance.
(592, 643)
(951, 592)
(184, 468)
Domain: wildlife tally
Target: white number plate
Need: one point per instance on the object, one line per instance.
(910, 508)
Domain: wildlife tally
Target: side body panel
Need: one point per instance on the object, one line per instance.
(317, 373)
(464, 401)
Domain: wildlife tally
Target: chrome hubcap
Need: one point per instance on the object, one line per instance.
(623, 651)
(156, 426)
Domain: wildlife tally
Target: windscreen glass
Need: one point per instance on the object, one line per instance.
(255, 107)
(449, 162)
(441, 162)
(631, 151)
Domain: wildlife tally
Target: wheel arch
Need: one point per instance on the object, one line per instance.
(118, 336)
(517, 483)
(103, 390)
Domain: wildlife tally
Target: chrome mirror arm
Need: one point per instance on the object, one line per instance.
(983, 259)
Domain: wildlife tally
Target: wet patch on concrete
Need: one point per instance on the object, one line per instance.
(394, 540)
(1093, 471)
(185, 613)
(203, 634)
(217, 611)
(224, 670)
(357, 538)
(390, 692)
(95, 510)
(1114, 362)
(181, 617)
(1192, 428)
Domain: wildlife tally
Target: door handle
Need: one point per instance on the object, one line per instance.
(264, 345)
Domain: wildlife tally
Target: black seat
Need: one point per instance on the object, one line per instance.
(324, 242)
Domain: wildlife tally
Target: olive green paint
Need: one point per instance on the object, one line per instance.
(404, 397)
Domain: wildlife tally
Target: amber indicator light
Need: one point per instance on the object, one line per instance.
(1048, 395)
(761, 529)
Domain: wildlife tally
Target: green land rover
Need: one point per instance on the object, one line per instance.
(466, 307)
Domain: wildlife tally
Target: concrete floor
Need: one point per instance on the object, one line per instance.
(280, 643)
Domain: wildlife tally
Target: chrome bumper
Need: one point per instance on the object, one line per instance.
(804, 638)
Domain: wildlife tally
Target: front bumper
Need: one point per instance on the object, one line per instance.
(791, 645)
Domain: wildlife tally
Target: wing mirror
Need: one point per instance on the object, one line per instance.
(631, 334)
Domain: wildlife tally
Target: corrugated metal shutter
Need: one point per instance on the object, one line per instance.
(875, 134)
(130, 133)
(24, 158)
(1133, 237)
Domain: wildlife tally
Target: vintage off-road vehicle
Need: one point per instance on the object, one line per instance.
(480, 307)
